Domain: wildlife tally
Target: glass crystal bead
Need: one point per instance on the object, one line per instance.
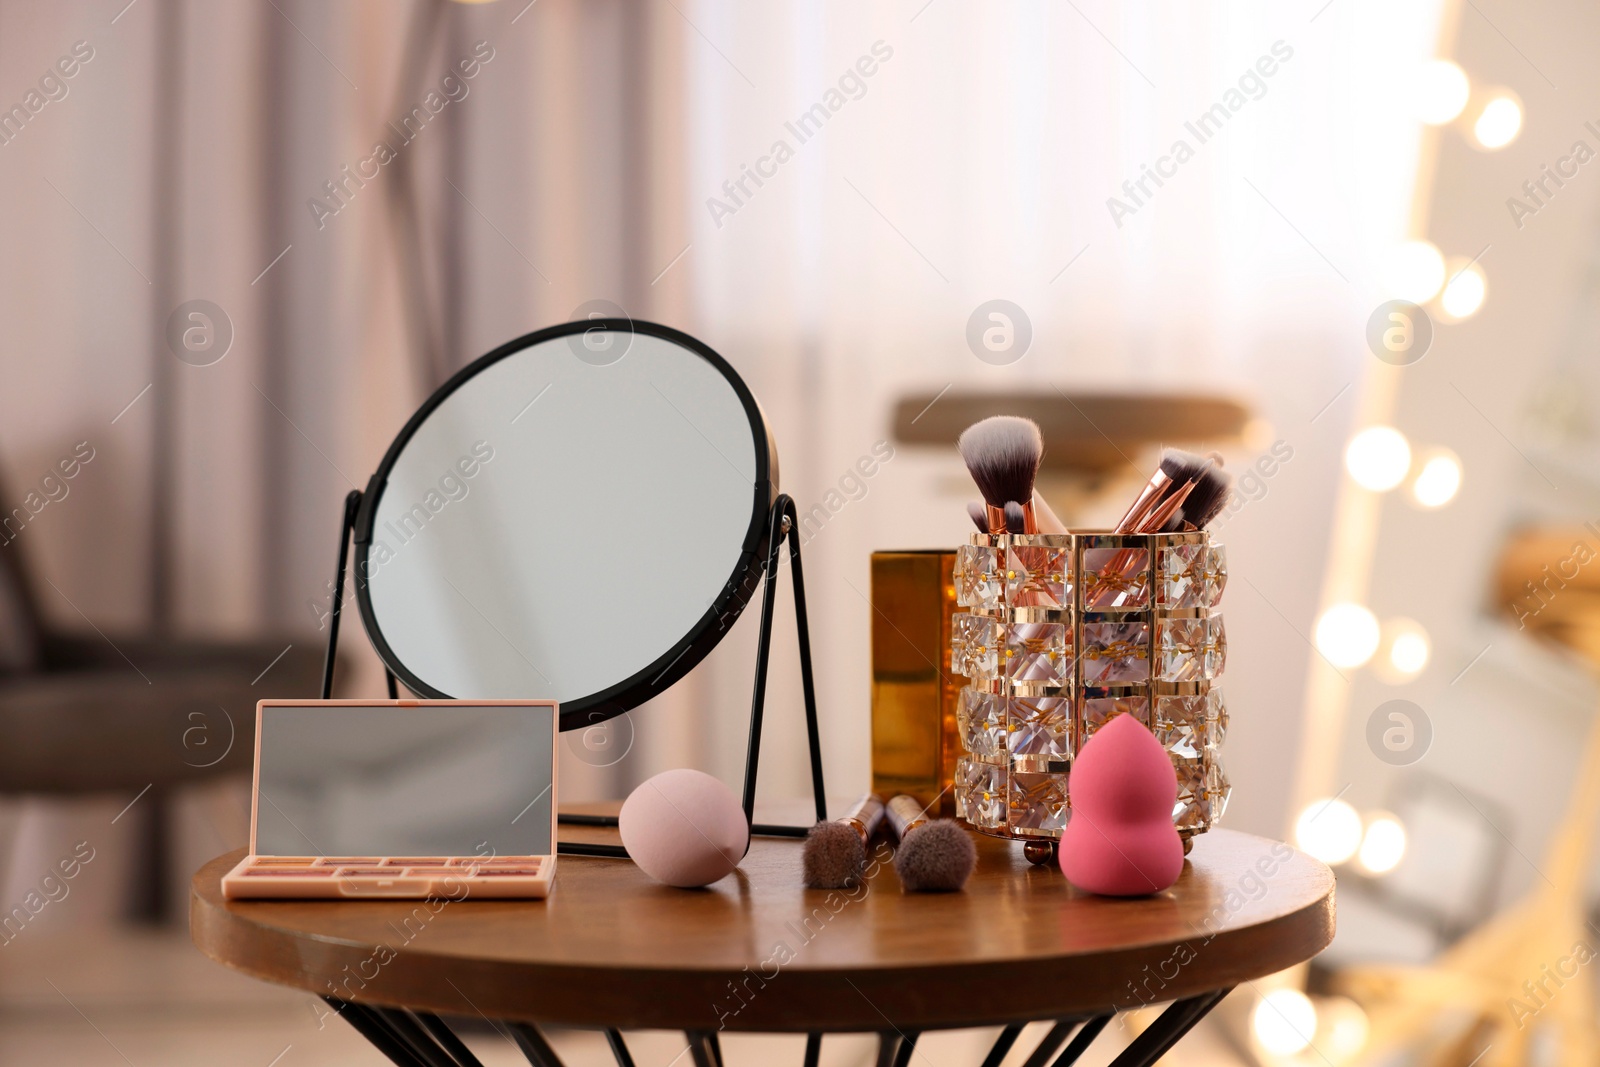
(1038, 652)
(1189, 811)
(1036, 577)
(981, 718)
(1191, 576)
(1216, 648)
(1116, 578)
(1116, 652)
(977, 577)
(1215, 578)
(1041, 726)
(1038, 802)
(1181, 576)
(1097, 711)
(1181, 725)
(1218, 790)
(1216, 719)
(1181, 646)
(975, 646)
(980, 794)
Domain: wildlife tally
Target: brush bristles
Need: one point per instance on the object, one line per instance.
(1016, 518)
(1181, 466)
(936, 857)
(979, 516)
(1207, 498)
(1003, 454)
(833, 857)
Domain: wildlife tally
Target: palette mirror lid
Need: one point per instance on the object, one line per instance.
(579, 515)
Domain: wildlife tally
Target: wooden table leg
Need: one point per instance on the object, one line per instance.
(813, 1049)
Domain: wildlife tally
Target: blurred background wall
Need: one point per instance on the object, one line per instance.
(826, 193)
(601, 151)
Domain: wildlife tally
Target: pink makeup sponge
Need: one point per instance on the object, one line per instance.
(684, 828)
(1120, 841)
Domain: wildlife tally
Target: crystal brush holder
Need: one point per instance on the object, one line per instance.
(1059, 633)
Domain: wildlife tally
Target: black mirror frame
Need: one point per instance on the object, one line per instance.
(678, 660)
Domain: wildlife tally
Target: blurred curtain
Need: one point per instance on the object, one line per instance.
(228, 153)
(862, 178)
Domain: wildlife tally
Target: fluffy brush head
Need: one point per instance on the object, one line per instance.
(936, 857)
(1003, 455)
(834, 857)
(1181, 466)
(1206, 499)
(1016, 518)
(979, 516)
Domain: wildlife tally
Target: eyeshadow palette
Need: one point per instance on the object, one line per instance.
(450, 799)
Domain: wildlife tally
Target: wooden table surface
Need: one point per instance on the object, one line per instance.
(758, 951)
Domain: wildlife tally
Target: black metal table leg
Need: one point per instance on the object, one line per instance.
(1165, 1032)
(447, 1039)
(619, 1048)
(1002, 1045)
(377, 1033)
(534, 1046)
(421, 1039)
(1082, 1040)
(409, 1031)
(701, 1049)
(1050, 1042)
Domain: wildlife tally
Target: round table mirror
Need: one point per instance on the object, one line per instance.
(578, 515)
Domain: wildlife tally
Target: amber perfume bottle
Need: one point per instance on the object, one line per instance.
(914, 691)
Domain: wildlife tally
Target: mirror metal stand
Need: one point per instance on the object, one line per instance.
(784, 526)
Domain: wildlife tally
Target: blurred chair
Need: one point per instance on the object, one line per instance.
(95, 713)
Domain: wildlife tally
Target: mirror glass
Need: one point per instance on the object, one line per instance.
(575, 516)
(418, 781)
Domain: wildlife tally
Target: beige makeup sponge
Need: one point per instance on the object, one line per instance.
(684, 828)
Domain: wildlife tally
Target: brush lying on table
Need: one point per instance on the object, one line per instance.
(836, 850)
(935, 855)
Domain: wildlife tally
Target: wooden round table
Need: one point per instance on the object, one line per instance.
(612, 949)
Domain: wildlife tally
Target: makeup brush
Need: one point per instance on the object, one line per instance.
(836, 850)
(1016, 518)
(1205, 500)
(935, 856)
(1002, 453)
(979, 516)
(1177, 468)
